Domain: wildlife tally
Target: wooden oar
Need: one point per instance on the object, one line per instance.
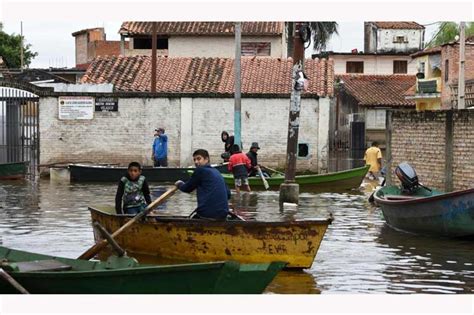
(94, 250)
(12, 282)
(265, 183)
(273, 170)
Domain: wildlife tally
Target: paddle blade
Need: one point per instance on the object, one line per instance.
(94, 250)
(265, 183)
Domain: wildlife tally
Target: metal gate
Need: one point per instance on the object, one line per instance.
(19, 132)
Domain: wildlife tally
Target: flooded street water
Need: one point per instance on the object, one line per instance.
(359, 253)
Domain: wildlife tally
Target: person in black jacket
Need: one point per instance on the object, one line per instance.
(228, 143)
(133, 191)
(252, 155)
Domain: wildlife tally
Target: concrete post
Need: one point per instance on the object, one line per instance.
(323, 134)
(186, 136)
(237, 87)
(462, 57)
(388, 143)
(122, 45)
(153, 58)
(448, 176)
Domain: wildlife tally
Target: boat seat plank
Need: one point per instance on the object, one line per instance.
(42, 265)
(399, 197)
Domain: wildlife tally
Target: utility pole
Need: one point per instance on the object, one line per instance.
(461, 82)
(289, 190)
(21, 46)
(153, 58)
(237, 87)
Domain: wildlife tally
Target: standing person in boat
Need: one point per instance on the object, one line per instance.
(239, 165)
(212, 192)
(160, 148)
(133, 190)
(228, 143)
(373, 157)
(252, 155)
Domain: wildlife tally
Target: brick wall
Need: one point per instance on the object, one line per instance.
(103, 48)
(419, 138)
(463, 147)
(119, 137)
(451, 53)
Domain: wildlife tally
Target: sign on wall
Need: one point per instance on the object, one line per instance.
(106, 104)
(76, 107)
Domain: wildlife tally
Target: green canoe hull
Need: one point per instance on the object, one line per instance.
(343, 180)
(424, 212)
(13, 170)
(94, 277)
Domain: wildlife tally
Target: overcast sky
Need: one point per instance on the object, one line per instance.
(55, 44)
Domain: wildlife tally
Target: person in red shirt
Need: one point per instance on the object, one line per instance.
(239, 165)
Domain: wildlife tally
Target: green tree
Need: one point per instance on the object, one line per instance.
(10, 50)
(322, 32)
(447, 32)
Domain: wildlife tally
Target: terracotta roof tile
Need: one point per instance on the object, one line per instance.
(427, 51)
(201, 28)
(379, 90)
(399, 25)
(209, 75)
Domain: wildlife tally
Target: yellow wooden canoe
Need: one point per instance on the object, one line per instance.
(180, 238)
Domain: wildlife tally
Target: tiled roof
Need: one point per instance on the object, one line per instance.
(87, 30)
(201, 28)
(399, 25)
(427, 51)
(270, 76)
(379, 90)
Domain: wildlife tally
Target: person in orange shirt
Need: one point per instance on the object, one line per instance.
(373, 157)
(239, 165)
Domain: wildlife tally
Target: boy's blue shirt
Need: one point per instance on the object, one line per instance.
(212, 192)
(160, 147)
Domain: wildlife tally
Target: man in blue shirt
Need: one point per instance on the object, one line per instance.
(160, 148)
(212, 192)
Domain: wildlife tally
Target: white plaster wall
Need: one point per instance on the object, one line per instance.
(111, 137)
(217, 46)
(190, 123)
(373, 64)
(385, 40)
(263, 120)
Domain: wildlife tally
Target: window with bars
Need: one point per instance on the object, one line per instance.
(256, 49)
(354, 67)
(400, 66)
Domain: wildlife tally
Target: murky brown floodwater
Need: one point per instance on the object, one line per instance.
(359, 254)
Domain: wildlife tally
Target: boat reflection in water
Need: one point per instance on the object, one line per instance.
(424, 264)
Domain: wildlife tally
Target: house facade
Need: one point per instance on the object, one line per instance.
(194, 103)
(204, 39)
(370, 63)
(438, 75)
(364, 100)
(393, 37)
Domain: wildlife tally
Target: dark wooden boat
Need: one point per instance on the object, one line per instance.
(46, 274)
(428, 212)
(181, 238)
(110, 173)
(14, 170)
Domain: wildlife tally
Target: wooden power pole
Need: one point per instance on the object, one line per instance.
(289, 190)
